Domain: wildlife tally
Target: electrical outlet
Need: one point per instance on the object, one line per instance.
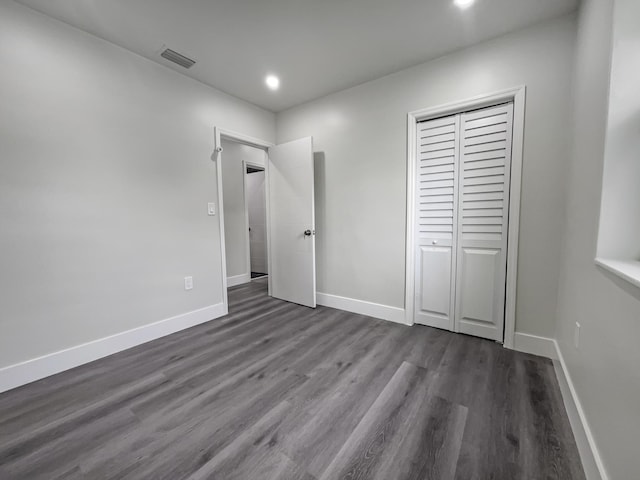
(188, 283)
(576, 336)
(211, 208)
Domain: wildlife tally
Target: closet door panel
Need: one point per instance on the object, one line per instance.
(479, 280)
(436, 218)
(435, 294)
(483, 180)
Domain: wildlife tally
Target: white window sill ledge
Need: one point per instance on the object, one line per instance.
(627, 270)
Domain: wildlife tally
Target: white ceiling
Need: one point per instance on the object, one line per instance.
(316, 47)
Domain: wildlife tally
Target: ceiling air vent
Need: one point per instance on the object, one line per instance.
(177, 58)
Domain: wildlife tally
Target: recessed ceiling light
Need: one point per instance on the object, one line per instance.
(463, 4)
(272, 82)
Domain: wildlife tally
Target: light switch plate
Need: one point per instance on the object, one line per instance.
(188, 283)
(576, 336)
(211, 208)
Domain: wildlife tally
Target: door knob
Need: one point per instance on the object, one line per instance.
(435, 242)
(307, 233)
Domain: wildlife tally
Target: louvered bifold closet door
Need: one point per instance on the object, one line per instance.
(436, 218)
(483, 206)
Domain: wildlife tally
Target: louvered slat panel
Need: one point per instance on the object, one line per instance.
(435, 185)
(484, 155)
(488, 147)
(482, 205)
(485, 212)
(435, 214)
(448, 206)
(482, 189)
(436, 199)
(488, 180)
(432, 176)
(484, 170)
(475, 199)
(481, 228)
(433, 221)
(437, 169)
(436, 162)
(436, 147)
(496, 162)
(494, 137)
(437, 136)
(491, 119)
(444, 137)
(437, 228)
(426, 193)
(436, 180)
(428, 155)
(485, 131)
(435, 131)
(470, 220)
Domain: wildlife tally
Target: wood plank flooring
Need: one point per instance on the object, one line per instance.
(279, 391)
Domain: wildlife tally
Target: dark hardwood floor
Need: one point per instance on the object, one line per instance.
(279, 391)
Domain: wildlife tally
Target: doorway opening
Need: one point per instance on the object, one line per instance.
(284, 220)
(245, 212)
(256, 207)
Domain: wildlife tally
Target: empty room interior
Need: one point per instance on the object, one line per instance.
(316, 240)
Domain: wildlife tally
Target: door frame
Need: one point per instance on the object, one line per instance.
(245, 164)
(517, 95)
(219, 134)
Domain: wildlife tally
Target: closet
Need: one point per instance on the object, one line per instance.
(462, 204)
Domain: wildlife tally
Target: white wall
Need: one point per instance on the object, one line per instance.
(604, 369)
(105, 178)
(620, 214)
(360, 137)
(257, 221)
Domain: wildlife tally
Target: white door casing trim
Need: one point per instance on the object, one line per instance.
(517, 95)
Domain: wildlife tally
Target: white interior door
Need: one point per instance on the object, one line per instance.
(485, 164)
(436, 218)
(292, 222)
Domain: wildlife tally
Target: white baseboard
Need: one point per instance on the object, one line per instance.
(589, 454)
(31, 370)
(376, 310)
(238, 279)
(548, 347)
(542, 346)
